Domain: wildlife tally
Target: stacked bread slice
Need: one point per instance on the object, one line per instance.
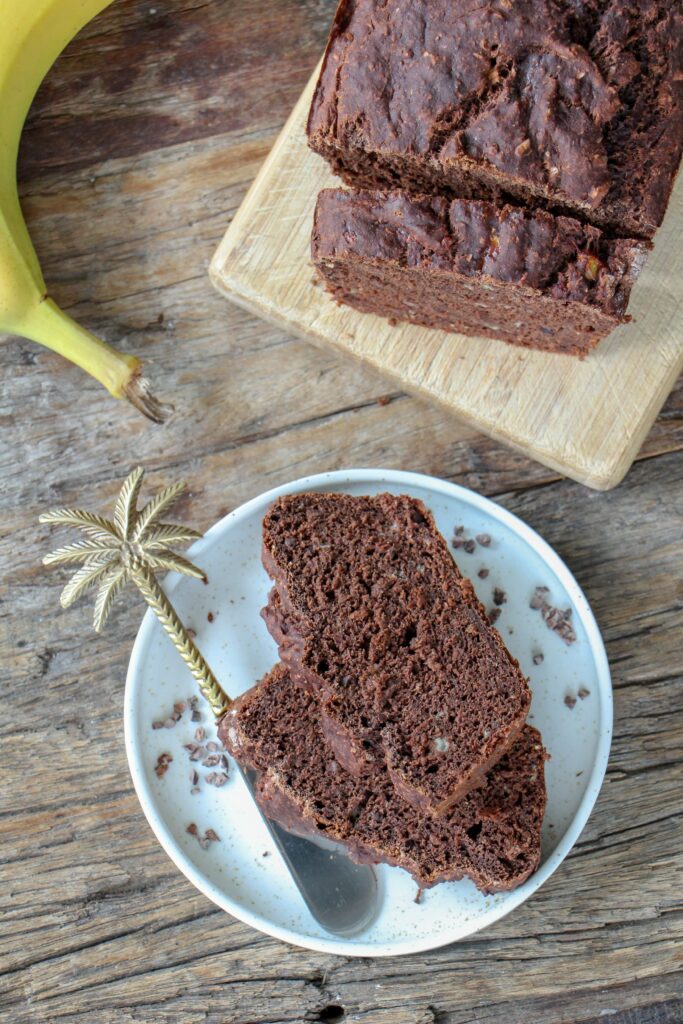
(508, 162)
(395, 722)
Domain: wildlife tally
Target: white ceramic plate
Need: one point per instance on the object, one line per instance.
(243, 873)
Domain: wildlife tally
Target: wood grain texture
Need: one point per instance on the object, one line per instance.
(96, 925)
(586, 419)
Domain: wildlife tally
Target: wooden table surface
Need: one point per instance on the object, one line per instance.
(140, 147)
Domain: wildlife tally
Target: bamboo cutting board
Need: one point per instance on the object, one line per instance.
(585, 419)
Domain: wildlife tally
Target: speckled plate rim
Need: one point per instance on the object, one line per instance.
(357, 947)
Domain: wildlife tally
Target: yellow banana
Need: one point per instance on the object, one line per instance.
(34, 32)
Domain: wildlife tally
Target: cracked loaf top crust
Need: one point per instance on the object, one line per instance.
(378, 620)
(493, 835)
(571, 104)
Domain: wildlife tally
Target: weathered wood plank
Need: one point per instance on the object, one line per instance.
(127, 201)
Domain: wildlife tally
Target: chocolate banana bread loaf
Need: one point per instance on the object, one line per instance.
(372, 615)
(492, 836)
(532, 279)
(571, 105)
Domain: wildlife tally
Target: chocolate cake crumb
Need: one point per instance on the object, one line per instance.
(200, 734)
(211, 761)
(194, 776)
(484, 539)
(570, 700)
(157, 725)
(161, 767)
(537, 657)
(210, 617)
(266, 853)
(483, 573)
(418, 895)
(204, 841)
(192, 632)
(459, 530)
(194, 790)
(499, 596)
(469, 546)
(457, 542)
(494, 615)
(583, 693)
(212, 746)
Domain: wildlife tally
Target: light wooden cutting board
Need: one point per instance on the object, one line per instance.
(586, 419)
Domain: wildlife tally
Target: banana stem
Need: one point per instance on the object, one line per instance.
(119, 373)
(187, 649)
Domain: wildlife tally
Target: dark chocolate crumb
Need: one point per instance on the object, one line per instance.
(418, 895)
(266, 853)
(192, 829)
(482, 574)
(459, 530)
(212, 836)
(494, 615)
(162, 764)
(537, 657)
(579, 774)
(583, 693)
(211, 761)
(484, 539)
(499, 596)
(557, 619)
(195, 751)
(210, 617)
(570, 700)
(194, 776)
(217, 778)
(457, 542)
(539, 598)
(469, 546)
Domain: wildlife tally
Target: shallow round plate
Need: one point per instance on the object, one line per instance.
(242, 873)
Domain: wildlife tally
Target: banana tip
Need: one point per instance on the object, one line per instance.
(137, 391)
